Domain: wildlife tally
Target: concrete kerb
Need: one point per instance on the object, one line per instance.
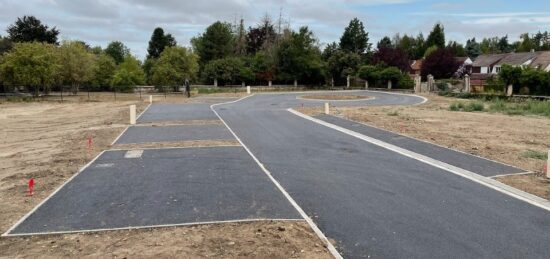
(488, 182)
(310, 222)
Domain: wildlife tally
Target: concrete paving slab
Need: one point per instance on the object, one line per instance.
(465, 161)
(165, 186)
(142, 134)
(177, 112)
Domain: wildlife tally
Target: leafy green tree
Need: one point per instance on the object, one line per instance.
(76, 64)
(5, 45)
(457, 48)
(103, 71)
(430, 50)
(29, 29)
(392, 74)
(118, 51)
(230, 70)
(33, 65)
(436, 37)
(369, 73)
(536, 80)
(263, 66)
(299, 58)
(215, 43)
(355, 39)
(510, 75)
(503, 45)
(128, 74)
(526, 44)
(473, 49)
(174, 65)
(384, 43)
(342, 64)
(159, 41)
(329, 50)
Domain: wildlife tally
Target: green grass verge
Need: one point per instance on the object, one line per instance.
(525, 107)
(535, 155)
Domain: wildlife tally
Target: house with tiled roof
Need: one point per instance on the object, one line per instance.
(541, 61)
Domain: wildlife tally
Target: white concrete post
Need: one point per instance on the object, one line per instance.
(467, 85)
(366, 85)
(347, 81)
(548, 165)
(216, 82)
(295, 83)
(248, 89)
(417, 84)
(509, 90)
(132, 114)
(269, 83)
(327, 108)
(150, 99)
(389, 84)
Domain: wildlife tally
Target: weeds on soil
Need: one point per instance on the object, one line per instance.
(535, 155)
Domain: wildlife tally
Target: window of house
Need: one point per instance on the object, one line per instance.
(497, 69)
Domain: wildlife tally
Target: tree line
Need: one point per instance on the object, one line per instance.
(231, 54)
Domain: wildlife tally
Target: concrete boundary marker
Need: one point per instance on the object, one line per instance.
(488, 182)
(125, 129)
(435, 144)
(310, 222)
(148, 227)
(52, 194)
(504, 175)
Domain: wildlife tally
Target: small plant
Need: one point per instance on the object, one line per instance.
(393, 113)
(475, 107)
(454, 107)
(535, 155)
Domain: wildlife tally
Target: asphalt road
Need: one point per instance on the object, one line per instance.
(375, 202)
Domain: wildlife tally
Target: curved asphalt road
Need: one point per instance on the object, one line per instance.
(375, 202)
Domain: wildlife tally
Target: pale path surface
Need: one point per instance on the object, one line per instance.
(375, 202)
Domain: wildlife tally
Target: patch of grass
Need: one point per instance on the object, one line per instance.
(204, 90)
(535, 155)
(467, 107)
(393, 113)
(529, 107)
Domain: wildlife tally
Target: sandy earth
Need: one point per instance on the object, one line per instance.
(496, 136)
(48, 141)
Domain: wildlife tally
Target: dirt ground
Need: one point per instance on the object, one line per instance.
(48, 141)
(495, 136)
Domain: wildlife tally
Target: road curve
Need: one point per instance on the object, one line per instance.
(375, 202)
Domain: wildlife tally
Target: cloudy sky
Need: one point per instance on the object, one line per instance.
(132, 21)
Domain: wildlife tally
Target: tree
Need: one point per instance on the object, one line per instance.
(392, 74)
(33, 65)
(261, 36)
(473, 49)
(76, 64)
(329, 50)
(355, 39)
(159, 41)
(440, 64)
(299, 58)
(509, 74)
(117, 51)
(503, 45)
(29, 29)
(392, 57)
(103, 72)
(263, 66)
(369, 73)
(229, 70)
(436, 37)
(457, 49)
(174, 66)
(128, 74)
(384, 43)
(342, 64)
(5, 45)
(536, 80)
(215, 43)
(430, 50)
(526, 44)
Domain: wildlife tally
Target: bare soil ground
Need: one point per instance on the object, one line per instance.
(47, 141)
(335, 97)
(495, 136)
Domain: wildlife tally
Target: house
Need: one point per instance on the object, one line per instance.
(542, 61)
(484, 64)
(523, 59)
(416, 67)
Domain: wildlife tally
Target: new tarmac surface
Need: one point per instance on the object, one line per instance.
(375, 202)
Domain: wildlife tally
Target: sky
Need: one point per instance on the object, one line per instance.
(99, 22)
